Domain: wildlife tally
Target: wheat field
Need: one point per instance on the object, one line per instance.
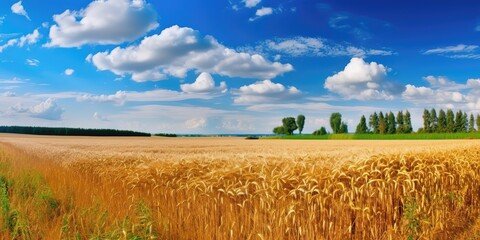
(232, 188)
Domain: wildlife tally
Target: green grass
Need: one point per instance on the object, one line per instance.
(413, 136)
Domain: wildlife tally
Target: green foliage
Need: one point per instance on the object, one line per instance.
(433, 120)
(165, 135)
(362, 126)
(426, 121)
(343, 128)
(373, 123)
(478, 122)
(289, 125)
(407, 123)
(300, 123)
(411, 218)
(70, 131)
(382, 124)
(279, 130)
(442, 122)
(321, 131)
(450, 121)
(400, 126)
(336, 122)
(471, 123)
(391, 123)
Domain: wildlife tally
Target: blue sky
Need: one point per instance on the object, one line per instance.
(236, 66)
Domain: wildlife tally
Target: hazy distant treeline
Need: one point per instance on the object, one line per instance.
(70, 131)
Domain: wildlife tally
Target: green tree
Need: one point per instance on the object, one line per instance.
(279, 130)
(289, 125)
(336, 122)
(426, 121)
(442, 121)
(300, 122)
(343, 128)
(391, 123)
(382, 124)
(450, 121)
(433, 121)
(362, 126)
(471, 122)
(400, 127)
(465, 122)
(373, 123)
(459, 124)
(321, 131)
(407, 123)
(478, 122)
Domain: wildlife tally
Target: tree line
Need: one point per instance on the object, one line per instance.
(70, 131)
(385, 123)
(448, 122)
(390, 123)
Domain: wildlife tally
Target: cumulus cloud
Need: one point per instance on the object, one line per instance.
(264, 91)
(474, 83)
(45, 110)
(69, 71)
(204, 84)
(177, 50)
(103, 22)
(28, 39)
(18, 8)
(443, 83)
(251, 3)
(196, 123)
(443, 92)
(429, 95)
(362, 81)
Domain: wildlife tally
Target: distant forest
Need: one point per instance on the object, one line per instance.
(443, 122)
(61, 131)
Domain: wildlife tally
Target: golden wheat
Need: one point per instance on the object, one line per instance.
(230, 188)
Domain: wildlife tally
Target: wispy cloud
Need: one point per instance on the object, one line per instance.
(460, 48)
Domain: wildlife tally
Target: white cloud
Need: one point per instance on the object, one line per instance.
(314, 46)
(69, 71)
(428, 95)
(460, 48)
(264, 11)
(9, 94)
(251, 3)
(443, 83)
(195, 123)
(14, 80)
(121, 97)
(99, 117)
(18, 8)
(264, 91)
(204, 84)
(362, 81)
(103, 22)
(10, 43)
(47, 109)
(28, 39)
(473, 83)
(32, 62)
(177, 50)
